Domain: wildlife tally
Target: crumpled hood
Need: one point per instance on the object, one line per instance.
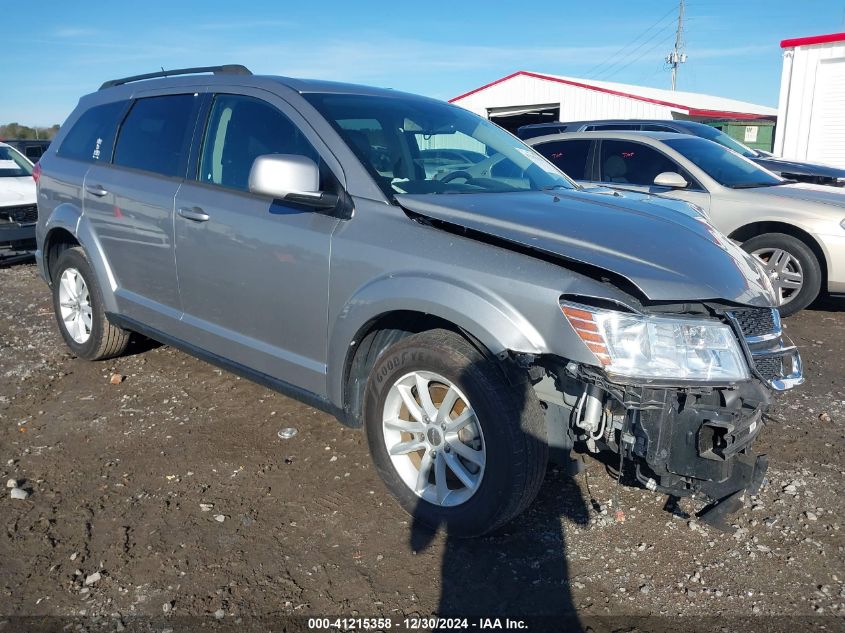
(17, 190)
(667, 254)
(780, 165)
(806, 192)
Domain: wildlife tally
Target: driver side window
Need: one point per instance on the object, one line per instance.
(626, 162)
(240, 129)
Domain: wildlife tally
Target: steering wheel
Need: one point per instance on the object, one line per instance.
(457, 174)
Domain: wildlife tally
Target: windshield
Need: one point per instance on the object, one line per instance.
(413, 145)
(722, 165)
(13, 164)
(712, 134)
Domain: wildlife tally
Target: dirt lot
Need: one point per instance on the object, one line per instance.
(174, 487)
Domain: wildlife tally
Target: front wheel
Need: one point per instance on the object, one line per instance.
(792, 267)
(455, 442)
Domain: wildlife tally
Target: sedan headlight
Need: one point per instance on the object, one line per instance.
(659, 348)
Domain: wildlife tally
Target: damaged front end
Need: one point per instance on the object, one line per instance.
(678, 393)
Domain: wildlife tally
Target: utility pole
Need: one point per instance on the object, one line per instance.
(677, 56)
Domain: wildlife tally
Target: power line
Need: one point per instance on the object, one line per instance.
(622, 61)
(644, 53)
(612, 59)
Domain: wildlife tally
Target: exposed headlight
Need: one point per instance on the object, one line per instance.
(659, 348)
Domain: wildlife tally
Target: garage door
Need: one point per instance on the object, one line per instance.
(827, 127)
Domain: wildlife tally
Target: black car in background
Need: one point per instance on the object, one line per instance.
(793, 170)
(31, 148)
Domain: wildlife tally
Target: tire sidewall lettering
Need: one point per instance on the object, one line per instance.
(396, 361)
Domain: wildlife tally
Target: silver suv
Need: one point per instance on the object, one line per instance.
(289, 231)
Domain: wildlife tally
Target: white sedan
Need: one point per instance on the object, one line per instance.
(18, 210)
(796, 229)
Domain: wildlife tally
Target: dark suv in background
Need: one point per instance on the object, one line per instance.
(790, 169)
(31, 148)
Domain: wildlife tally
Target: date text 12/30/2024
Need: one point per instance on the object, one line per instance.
(415, 623)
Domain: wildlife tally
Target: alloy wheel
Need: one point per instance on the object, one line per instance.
(75, 305)
(433, 438)
(784, 270)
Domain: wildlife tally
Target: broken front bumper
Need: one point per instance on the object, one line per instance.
(686, 443)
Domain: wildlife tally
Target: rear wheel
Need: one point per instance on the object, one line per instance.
(454, 441)
(78, 304)
(792, 267)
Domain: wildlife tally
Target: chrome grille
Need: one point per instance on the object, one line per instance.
(770, 367)
(758, 323)
(23, 214)
(773, 357)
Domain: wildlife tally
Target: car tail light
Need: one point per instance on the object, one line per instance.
(36, 172)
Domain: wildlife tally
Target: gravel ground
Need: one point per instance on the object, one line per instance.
(170, 495)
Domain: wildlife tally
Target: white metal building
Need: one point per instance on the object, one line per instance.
(811, 116)
(527, 97)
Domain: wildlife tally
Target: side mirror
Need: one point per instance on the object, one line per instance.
(670, 179)
(289, 177)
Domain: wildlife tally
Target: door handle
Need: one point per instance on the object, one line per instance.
(96, 190)
(193, 213)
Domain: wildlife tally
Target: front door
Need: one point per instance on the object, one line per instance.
(253, 272)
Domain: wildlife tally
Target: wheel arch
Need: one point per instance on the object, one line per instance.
(755, 229)
(365, 329)
(67, 228)
(58, 240)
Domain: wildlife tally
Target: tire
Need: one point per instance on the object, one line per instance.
(510, 431)
(802, 260)
(100, 340)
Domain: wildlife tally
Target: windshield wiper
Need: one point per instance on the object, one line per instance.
(755, 185)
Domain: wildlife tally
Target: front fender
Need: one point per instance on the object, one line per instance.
(497, 325)
(70, 218)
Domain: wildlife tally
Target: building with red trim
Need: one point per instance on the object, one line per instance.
(811, 111)
(528, 97)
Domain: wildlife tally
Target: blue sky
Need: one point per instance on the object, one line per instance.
(440, 49)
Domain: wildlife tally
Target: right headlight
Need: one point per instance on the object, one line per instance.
(659, 348)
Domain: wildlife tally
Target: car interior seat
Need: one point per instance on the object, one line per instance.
(615, 169)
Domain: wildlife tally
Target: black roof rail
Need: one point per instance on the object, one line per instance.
(228, 69)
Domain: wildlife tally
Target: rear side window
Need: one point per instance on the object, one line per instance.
(240, 130)
(154, 136)
(92, 136)
(568, 156)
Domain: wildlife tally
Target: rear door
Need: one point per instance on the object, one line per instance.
(631, 165)
(254, 272)
(130, 204)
